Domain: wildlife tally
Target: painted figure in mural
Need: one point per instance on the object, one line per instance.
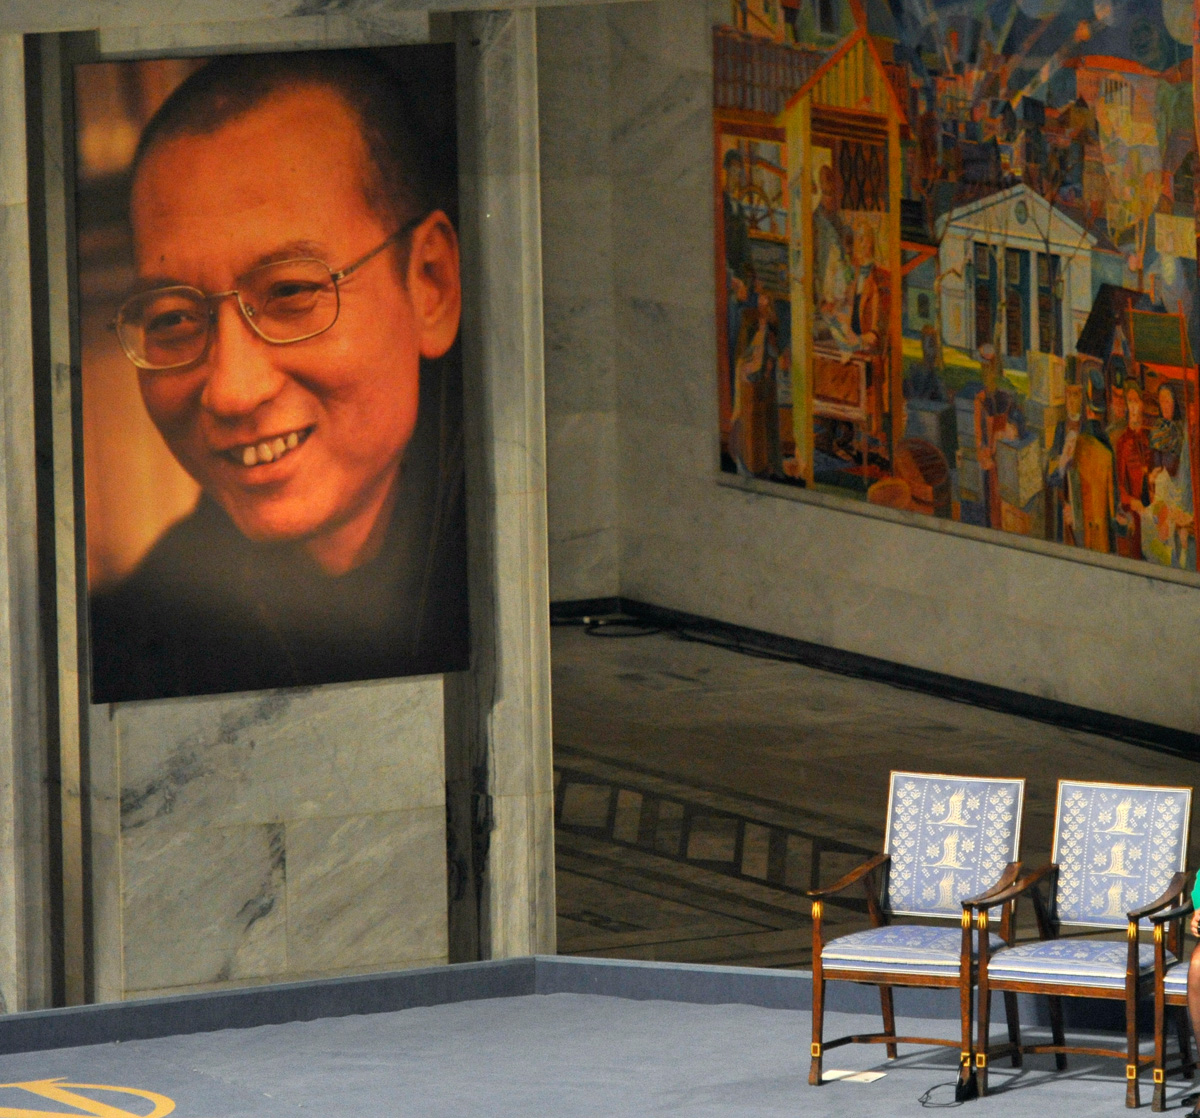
(1133, 470)
(1118, 416)
(1094, 462)
(739, 267)
(754, 427)
(831, 264)
(298, 280)
(869, 295)
(1062, 474)
(998, 415)
(1169, 521)
(922, 380)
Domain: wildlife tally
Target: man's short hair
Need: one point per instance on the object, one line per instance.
(407, 176)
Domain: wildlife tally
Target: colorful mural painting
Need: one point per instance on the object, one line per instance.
(956, 261)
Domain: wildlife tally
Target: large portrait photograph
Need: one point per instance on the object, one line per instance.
(269, 301)
(956, 264)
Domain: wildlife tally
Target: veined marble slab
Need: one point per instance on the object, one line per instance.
(271, 835)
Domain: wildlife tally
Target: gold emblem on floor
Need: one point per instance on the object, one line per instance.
(59, 1092)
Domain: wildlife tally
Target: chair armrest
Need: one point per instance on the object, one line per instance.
(984, 899)
(854, 875)
(1169, 914)
(1173, 890)
(1022, 886)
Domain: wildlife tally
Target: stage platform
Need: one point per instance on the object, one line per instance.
(521, 1038)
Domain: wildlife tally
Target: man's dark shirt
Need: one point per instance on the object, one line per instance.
(207, 611)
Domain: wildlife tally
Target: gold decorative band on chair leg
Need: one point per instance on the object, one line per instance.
(816, 1050)
(1131, 1071)
(966, 918)
(1158, 1075)
(981, 1059)
(964, 1059)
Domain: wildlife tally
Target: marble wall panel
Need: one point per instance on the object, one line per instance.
(338, 28)
(24, 853)
(580, 324)
(204, 905)
(581, 456)
(19, 16)
(351, 877)
(253, 829)
(348, 748)
(104, 838)
(573, 91)
(656, 334)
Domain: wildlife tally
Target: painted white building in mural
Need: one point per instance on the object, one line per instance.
(1015, 271)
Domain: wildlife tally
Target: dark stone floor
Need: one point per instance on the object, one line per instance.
(701, 791)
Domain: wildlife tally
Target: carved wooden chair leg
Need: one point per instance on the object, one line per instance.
(889, 1017)
(1014, 1025)
(818, 1024)
(966, 1075)
(1056, 1031)
(984, 1009)
(1158, 1096)
(1132, 1066)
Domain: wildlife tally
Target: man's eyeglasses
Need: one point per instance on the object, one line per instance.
(283, 302)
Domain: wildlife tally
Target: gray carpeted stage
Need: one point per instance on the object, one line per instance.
(551, 1037)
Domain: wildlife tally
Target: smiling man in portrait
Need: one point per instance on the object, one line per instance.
(293, 325)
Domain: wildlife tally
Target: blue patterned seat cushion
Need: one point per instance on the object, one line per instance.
(1175, 981)
(1085, 962)
(913, 948)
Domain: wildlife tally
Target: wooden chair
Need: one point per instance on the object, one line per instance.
(1117, 860)
(948, 838)
(1170, 992)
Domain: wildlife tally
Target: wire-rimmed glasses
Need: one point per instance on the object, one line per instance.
(285, 301)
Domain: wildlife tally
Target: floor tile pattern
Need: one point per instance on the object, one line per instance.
(700, 791)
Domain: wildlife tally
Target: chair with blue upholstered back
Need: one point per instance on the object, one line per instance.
(949, 839)
(1117, 861)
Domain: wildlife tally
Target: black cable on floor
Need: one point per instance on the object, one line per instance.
(618, 627)
(926, 1100)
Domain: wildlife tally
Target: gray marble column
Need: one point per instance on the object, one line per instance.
(24, 883)
(501, 763)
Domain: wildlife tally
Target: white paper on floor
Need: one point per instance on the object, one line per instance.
(847, 1076)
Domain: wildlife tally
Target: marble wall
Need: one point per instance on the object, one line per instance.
(581, 338)
(260, 837)
(25, 764)
(264, 837)
(983, 611)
